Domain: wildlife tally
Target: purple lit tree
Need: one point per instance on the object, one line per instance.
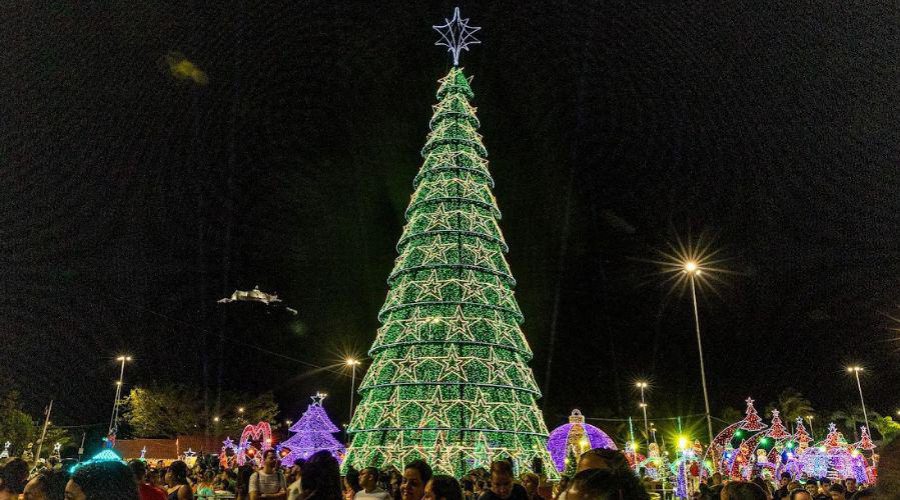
(313, 433)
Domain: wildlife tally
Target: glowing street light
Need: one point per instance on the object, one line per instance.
(115, 412)
(241, 410)
(809, 418)
(352, 363)
(855, 371)
(692, 269)
(690, 265)
(216, 419)
(643, 385)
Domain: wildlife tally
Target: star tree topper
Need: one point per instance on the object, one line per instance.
(456, 35)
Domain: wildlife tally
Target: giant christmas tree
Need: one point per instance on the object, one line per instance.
(449, 380)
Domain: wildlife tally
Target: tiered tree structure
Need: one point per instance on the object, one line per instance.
(833, 439)
(777, 431)
(865, 441)
(801, 435)
(449, 380)
(314, 432)
(751, 421)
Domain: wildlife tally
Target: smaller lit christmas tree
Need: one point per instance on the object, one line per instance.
(801, 436)
(313, 433)
(777, 431)
(865, 442)
(751, 421)
(833, 439)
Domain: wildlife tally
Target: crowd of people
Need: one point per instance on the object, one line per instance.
(600, 474)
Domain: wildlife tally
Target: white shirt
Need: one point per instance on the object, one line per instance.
(376, 494)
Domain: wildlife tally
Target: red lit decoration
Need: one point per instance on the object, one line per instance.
(800, 435)
(865, 442)
(833, 439)
(777, 431)
(751, 421)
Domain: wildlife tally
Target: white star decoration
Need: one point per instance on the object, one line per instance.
(456, 35)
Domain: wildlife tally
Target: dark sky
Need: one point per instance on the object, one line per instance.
(132, 200)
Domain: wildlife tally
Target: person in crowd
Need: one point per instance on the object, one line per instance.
(368, 481)
(48, 484)
(206, 486)
(177, 485)
(146, 490)
(562, 487)
(850, 485)
(743, 490)
(242, 484)
(13, 476)
(442, 487)
(783, 482)
(800, 494)
(416, 475)
(102, 481)
(351, 483)
(269, 481)
(394, 482)
(765, 486)
(603, 484)
(321, 478)
(468, 487)
(837, 492)
(502, 486)
(295, 478)
(602, 458)
(531, 482)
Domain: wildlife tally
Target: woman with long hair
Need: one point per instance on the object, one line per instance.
(321, 478)
(177, 485)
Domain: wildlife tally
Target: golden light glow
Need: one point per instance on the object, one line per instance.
(690, 260)
(641, 385)
(241, 409)
(352, 362)
(851, 369)
(682, 443)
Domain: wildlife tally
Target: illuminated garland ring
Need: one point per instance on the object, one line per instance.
(458, 115)
(454, 199)
(426, 172)
(527, 355)
(426, 267)
(454, 232)
(456, 89)
(437, 142)
(518, 315)
(475, 384)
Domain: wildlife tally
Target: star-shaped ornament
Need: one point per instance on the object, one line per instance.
(456, 35)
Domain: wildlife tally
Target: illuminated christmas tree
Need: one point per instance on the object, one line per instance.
(449, 380)
(777, 431)
(801, 435)
(865, 442)
(313, 433)
(751, 421)
(833, 439)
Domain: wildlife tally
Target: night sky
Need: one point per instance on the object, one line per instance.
(135, 192)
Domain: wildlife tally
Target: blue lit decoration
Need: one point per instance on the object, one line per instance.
(105, 455)
(456, 35)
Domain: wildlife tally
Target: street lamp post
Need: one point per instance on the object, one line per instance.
(809, 418)
(115, 412)
(642, 386)
(352, 363)
(855, 370)
(692, 270)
